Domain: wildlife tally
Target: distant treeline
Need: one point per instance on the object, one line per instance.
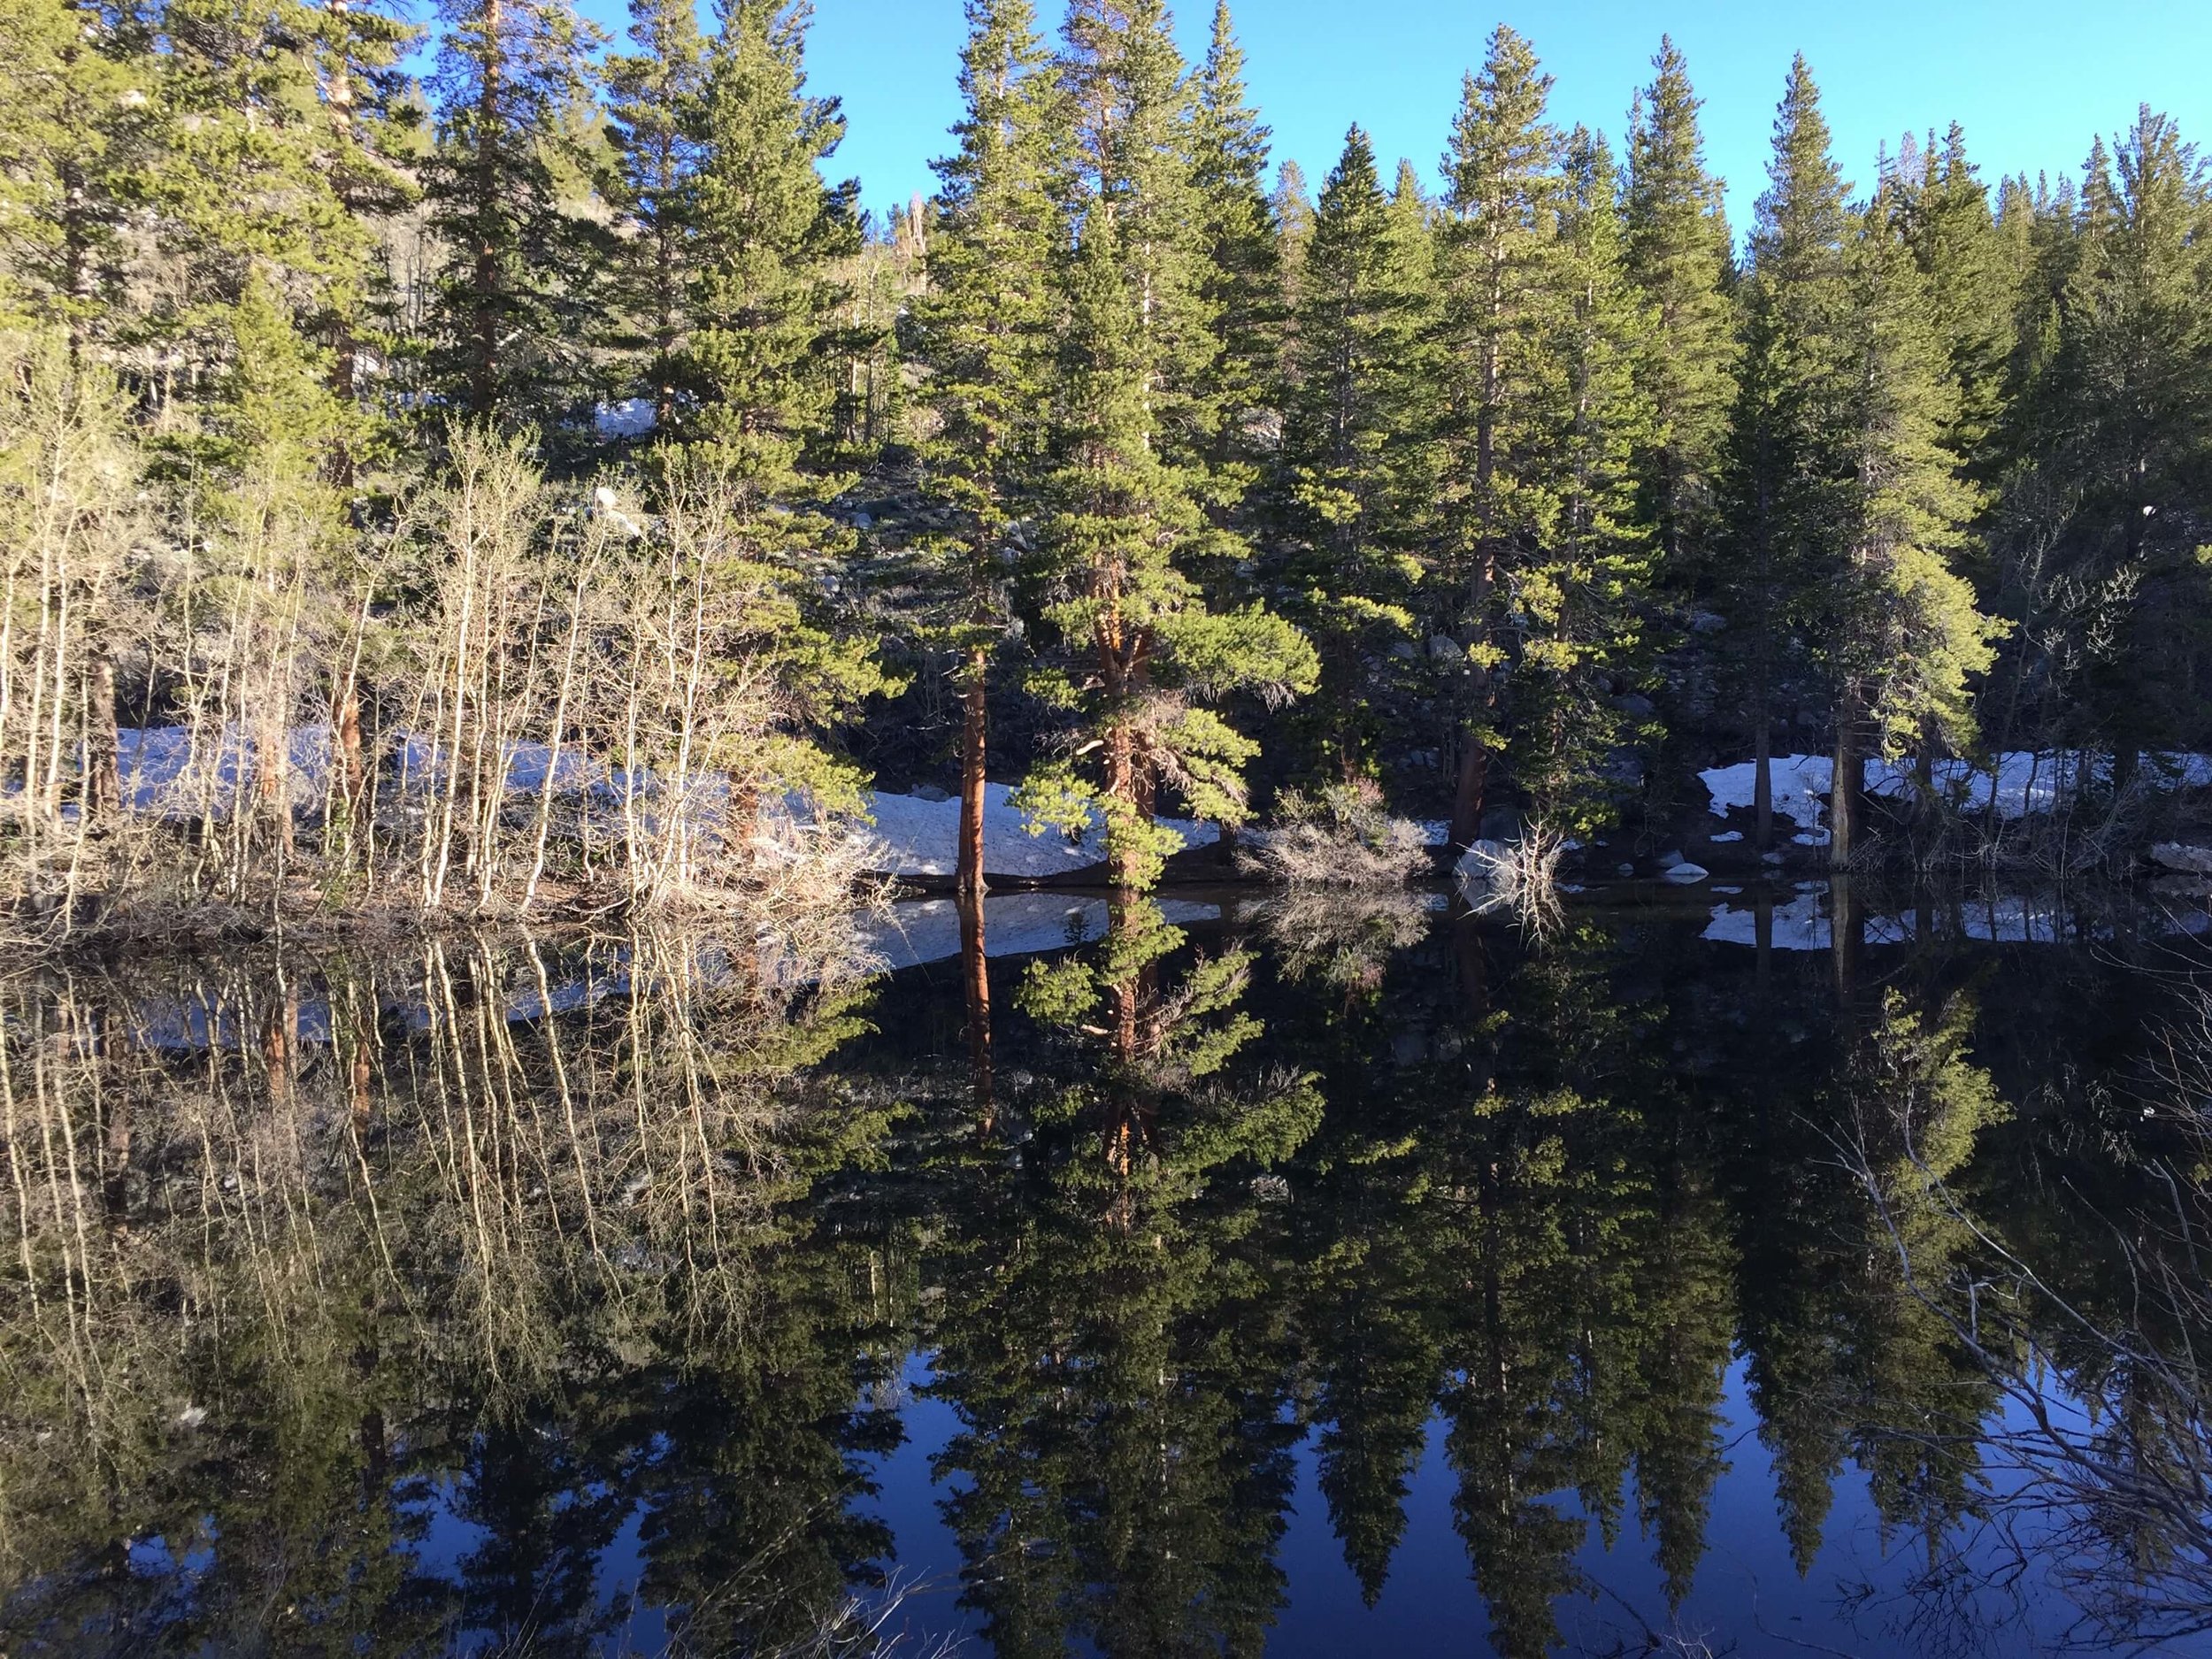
(535, 479)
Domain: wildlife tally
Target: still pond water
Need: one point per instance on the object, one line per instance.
(1312, 1278)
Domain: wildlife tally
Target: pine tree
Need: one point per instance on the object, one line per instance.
(1584, 588)
(1974, 282)
(767, 303)
(1129, 526)
(77, 89)
(1243, 280)
(983, 331)
(1785, 470)
(1356, 453)
(1291, 207)
(1680, 256)
(517, 306)
(654, 96)
(1129, 106)
(1903, 636)
(2125, 411)
(761, 381)
(1501, 176)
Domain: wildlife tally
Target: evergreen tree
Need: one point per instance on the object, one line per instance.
(1129, 529)
(1903, 635)
(1973, 286)
(767, 304)
(1502, 177)
(1785, 499)
(1584, 588)
(1291, 207)
(983, 331)
(1356, 453)
(654, 97)
(1680, 256)
(516, 308)
(76, 86)
(1242, 282)
(2109, 499)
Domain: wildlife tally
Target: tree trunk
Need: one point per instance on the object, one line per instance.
(1846, 784)
(346, 722)
(1844, 927)
(1763, 777)
(102, 780)
(974, 741)
(975, 975)
(1474, 777)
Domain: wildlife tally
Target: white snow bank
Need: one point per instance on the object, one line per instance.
(165, 772)
(1797, 780)
(914, 837)
(632, 417)
(2014, 785)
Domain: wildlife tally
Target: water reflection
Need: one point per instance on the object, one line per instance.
(515, 1296)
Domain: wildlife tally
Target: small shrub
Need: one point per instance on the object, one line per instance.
(1342, 837)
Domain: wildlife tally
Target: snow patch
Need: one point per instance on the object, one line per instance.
(2013, 784)
(632, 417)
(914, 837)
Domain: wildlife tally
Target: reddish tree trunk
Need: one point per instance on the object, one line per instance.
(975, 973)
(974, 741)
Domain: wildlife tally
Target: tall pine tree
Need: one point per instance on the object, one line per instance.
(654, 96)
(1680, 256)
(1146, 656)
(1502, 179)
(517, 309)
(1242, 277)
(1786, 501)
(1583, 589)
(1902, 635)
(767, 302)
(1357, 452)
(983, 331)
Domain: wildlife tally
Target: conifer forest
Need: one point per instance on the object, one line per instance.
(1157, 909)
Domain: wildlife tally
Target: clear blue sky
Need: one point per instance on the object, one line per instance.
(2032, 81)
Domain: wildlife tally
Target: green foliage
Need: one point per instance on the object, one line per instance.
(655, 95)
(1679, 254)
(1358, 453)
(1241, 284)
(1906, 625)
(517, 306)
(1127, 533)
(767, 302)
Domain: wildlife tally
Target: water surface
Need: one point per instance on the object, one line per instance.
(1311, 1278)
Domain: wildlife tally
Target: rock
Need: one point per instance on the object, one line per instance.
(1687, 874)
(1707, 622)
(1668, 861)
(2195, 861)
(1624, 767)
(863, 521)
(930, 791)
(1636, 706)
(1628, 869)
(1475, 864)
